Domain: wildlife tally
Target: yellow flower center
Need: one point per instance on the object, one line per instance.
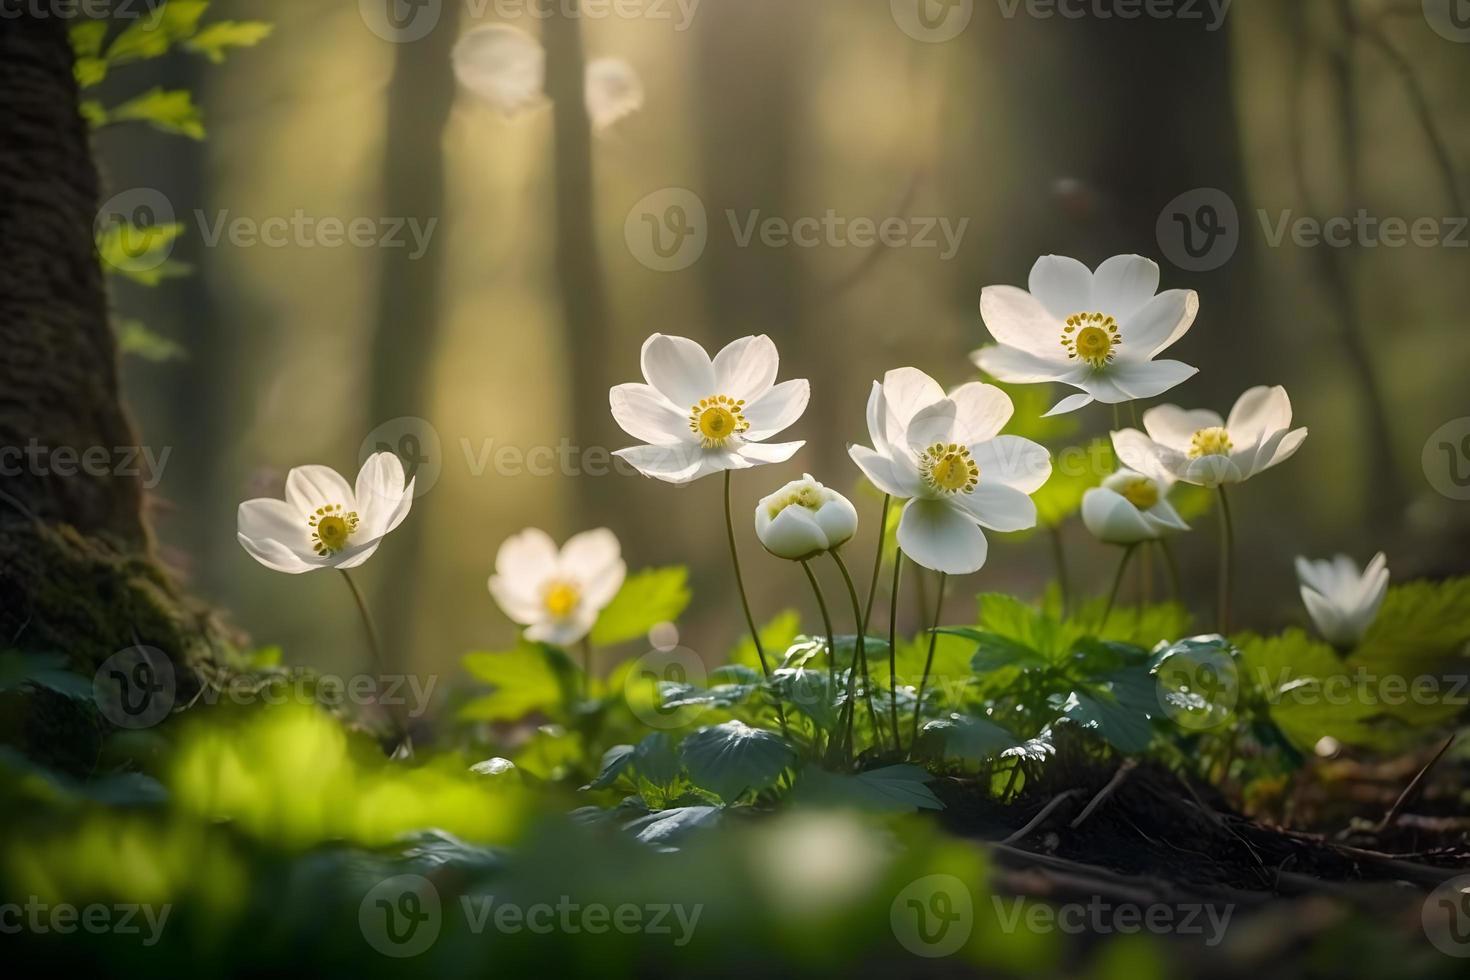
(806, 495)
(1142, 493)
(1214, 441)
(1091, 337)
(716, 419)
(949, 469)
(561, 599)
(331, 527)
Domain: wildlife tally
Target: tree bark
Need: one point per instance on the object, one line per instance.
(77, 571)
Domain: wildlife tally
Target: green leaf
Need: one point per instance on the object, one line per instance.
(892, 789)
(525, 680)
(134, 337)
(153, 36)
(655, 596)
(1120, 709)
(1422, 628)
(972, 739)
(732, 759)
(86, 37)
(656, 760)
(141, 252)
(48, 670)
(668, 828)
(214, 40)
(169, 110)
(615, 762)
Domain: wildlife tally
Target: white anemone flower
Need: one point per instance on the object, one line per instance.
(1097, 331)
(506, 68)
(323, 522)
(1130, 508)
(944, 454)
(701, 416)
(1342, 601)
(1199, 447)
(557, 593)
(803, 519)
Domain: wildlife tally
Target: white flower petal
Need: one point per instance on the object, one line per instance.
(793, 534)
(598, 592)
(939, 536)
(355, 555)
(1286, 449)
(1123, 284)
(276, 535)
(671, 464)
(527, 560)
(1165, 517)
(1259, 412)
(589, 555)
(998, 507)
(1063, 285)
(1155, 461)
(613, 90)
(981, 411)
(1158, 324)
(756, 453)
(883, 473)
(276, 556)
(1014, 462)
(1017, 366)
(877, 412)
(642, 412)
(1019, 320)
(1328, 619)
(746, 368)
(310, 487)
(1172, 426)
(517, 598)
(563, 632)
(777, 409)
(1070, 404)
(679, 368)
(938, 423)
(1147, 379)
(504, 66)
(906, 392)
(1112, 519)
(1211, 471)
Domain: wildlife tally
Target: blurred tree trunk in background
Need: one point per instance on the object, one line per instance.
(77, 572)
(410, 309)
(579, 274)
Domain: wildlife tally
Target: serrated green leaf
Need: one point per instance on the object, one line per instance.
(1119, 708)
(525, 680)
(651, 597)
(892, 789)
(615, 762)
(169, 110)
(971, 739)
(153, 36)
(657, 760)
(215, 40)
(732, 759)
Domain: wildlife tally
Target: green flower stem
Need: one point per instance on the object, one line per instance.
(1059, 557)
(400, 724)
(1173, 566)
(834, 738)
(861, 660)
(928, 662)
(1227, 545)
(755, 634)
(1117, 584)
(893, 649)
(587, 668)
(877, 559)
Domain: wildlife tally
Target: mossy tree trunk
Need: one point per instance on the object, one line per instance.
(77, 571)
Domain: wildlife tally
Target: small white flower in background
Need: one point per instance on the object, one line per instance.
(1199, 447)
(1097, 331)
(557, 593)
(804, 519)
(324, 523)
(1130, 508)
(506, 68)
(944, 454)
(703, 416)
(1342, 601)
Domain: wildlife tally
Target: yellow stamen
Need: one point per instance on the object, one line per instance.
(1091, 337)
(716, 419)
(1142, 493)
(561, 599)
(1214, 441)
(331, 527)
(948, 469)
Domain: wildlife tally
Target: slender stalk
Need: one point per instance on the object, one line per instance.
(877, 559)
(376, 646)
(835, 739)
(1227, 545)
(587, 668)
(893, 650)
(1059, 556)
(862, 659)
(1117, 584)
(928, 662)
(755, 634)
(1173, 566)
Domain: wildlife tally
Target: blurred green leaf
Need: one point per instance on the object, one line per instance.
(776, 635)
(524, 681)
(733, 758)
(215, 40)
(134, 338)
(892, 789)
(169, 110)
(48, 670)
(658, 595)
(153, 36)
